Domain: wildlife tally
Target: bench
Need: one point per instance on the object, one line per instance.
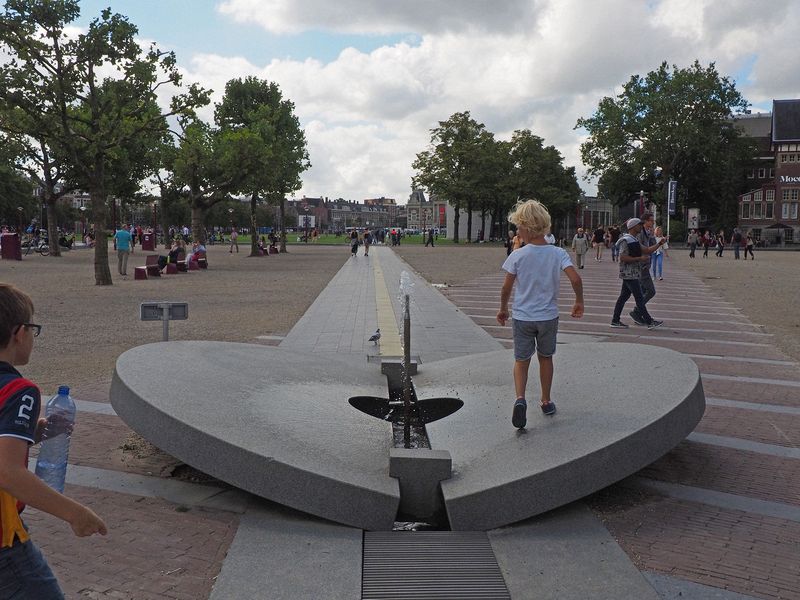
(181, 262)
(172, 269)
(140, 273)
(151, 264)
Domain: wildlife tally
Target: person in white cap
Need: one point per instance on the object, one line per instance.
(632, 259)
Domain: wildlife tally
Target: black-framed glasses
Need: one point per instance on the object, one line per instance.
(37, 329)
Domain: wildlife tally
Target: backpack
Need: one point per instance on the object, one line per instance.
(737, 237)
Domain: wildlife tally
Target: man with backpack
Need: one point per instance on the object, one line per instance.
(736, 242)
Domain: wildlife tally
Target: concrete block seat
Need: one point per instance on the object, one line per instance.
(151, 264)
(140, 272)
(278, 424)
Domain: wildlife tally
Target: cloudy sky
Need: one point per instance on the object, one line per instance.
(370, 78)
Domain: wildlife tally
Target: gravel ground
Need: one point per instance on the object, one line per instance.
(86, 327)
(764, 289)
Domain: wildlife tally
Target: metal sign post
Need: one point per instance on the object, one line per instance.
(164, 312)
(672, 200)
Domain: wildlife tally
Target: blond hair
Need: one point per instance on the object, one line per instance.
(532, 215)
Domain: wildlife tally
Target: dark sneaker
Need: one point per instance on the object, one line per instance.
(549, 408)
(518, 419)
(618, 325)
(637, 319)
(655, 323)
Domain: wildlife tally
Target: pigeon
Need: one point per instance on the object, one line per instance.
(375, 336)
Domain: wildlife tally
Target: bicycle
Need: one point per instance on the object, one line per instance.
(38, 245)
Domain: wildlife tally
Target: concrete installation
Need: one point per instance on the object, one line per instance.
(278, 424)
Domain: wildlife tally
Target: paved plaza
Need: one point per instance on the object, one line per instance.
(718, 517)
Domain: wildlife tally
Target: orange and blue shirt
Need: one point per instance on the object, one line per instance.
(20, 402)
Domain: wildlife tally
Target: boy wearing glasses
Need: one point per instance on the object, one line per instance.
(24, 573)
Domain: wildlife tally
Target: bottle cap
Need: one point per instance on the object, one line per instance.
(63, 390)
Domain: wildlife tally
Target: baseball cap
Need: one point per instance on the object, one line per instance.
(630, 223)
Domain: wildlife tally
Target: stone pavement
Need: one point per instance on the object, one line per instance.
(719, 511)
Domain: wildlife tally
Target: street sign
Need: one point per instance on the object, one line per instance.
(164, 312)
(154, 311)
(672, 197)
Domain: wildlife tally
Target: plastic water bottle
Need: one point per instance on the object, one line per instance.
(51, 466)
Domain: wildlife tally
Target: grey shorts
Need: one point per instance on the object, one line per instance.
(534, 336)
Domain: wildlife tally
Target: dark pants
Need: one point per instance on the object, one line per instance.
(692, 248)
(430, 241)
(736, 251)
(750, 250)
(25, 574)
(648, 291)
(632, 287)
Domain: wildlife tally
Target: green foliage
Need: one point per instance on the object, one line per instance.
(90, 98)
(676, 120)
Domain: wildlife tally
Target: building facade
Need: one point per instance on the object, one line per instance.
(769, 209)
(425, 213)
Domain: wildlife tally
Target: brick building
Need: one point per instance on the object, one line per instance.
(769, 209)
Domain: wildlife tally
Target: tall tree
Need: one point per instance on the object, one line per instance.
(678, 120)
(97, 90)
(258, 106)
(210, 163)
(450, 167)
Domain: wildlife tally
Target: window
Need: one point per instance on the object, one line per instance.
(772, 173)
(757, 210)
(785, 194)
(795, 194)
(751, 174)
(757, 196)
(794, 210)
(762, 173)
(769, 211)
(745, 210)
(788, 235)
(783, 158)
(770, 195)
(792, 157)
(785, 210)
(756, 233)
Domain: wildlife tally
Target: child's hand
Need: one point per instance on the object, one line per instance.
(502, 316)
(577, 310)
(85, 523)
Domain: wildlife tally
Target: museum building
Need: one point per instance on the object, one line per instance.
(769, 210)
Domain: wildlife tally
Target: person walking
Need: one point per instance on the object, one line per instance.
(509, 244)
(615, 233)
(692, 241)
(234, 240)
(353, 243)
(580, 246)
(720, 243)
(632, 260)
(536, 270)
(367, 241)
(429, 241)
(657, 257)
(123, 240)
(597, 243)
(736, 242)
(749, 246)
(706, 243)
(648, 244)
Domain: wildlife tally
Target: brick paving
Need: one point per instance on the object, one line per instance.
(744, 552)
(154, 549)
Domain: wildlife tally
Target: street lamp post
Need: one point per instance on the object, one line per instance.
(155, 222)
(19, 226)
(305, 208)
(83, 223)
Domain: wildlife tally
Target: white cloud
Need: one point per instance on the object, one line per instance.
(538, 65)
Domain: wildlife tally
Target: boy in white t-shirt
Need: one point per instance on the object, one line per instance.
(536, 268)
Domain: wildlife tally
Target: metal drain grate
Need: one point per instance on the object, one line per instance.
(428, 565)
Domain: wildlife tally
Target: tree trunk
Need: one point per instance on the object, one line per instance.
(495, 215)
(163, 223)
(198, 216)
(456, 220)
(253, 225)
(102, 272)
(469, 222)
(52, 227)
(483, 223)
(283, 228)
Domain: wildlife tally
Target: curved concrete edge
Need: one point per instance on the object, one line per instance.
(621, 407)
(542, 492)
(295, 485)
